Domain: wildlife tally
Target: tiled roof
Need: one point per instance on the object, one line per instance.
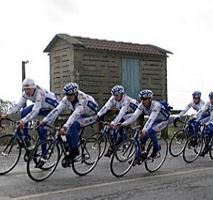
(108, 45)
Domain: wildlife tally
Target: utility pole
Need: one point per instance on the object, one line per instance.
(23, 69)
(23, 72)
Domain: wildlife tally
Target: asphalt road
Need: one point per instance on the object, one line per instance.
(176, 180)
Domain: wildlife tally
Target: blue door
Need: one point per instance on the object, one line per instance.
(131, 77)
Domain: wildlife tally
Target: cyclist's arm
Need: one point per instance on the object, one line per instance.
(151, 119)
(109, 104)
(184, 110)
(199, 114)
(16, 107)
(39, 99)
(76, 113)
(134, 117)
(121, 113)
(51, 117)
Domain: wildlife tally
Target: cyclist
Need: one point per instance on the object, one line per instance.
(196, 103)
(157, 121)
(84, 113)
(126, 106)
(43, 102)
(208, 106)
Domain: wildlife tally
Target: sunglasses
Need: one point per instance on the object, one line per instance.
(69, 94)
(144, 99)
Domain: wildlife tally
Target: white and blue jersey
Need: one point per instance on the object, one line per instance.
(193, 105)
(155, 113)
(126, 107)
(206, 108)
(205, 116)
(84, 109)
(42, 99)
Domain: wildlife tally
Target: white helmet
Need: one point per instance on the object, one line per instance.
(28, 83)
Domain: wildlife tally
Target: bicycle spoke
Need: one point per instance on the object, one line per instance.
(88, 158)
(192, 148)
(153, 164)
(177, 143)
(42, 164)
(10, 152)
(123, 158)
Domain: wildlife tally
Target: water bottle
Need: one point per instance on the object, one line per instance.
(66, 146)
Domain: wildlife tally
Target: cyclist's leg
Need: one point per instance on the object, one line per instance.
(42, 131)
(72, 139)
(73, 132)
(24, 113)
(209, 132)
(121, 130)
(152, 133)
(143, 143)
(196, 125)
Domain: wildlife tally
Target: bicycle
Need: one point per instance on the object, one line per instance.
(105, 137)
(11, 146)
(209, 145)
(131, 152)
(179, 138)
(194, 145)
(39, 170)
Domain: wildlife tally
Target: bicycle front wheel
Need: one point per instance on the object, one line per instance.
(41, 165)
(177, 143)
(101, 140)
(211, 149)
(10, 152)
(193, 148)
(153, 164)
(88, 158)
(123, 158)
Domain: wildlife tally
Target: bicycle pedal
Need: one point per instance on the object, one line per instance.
(65, 163)
(136, 162)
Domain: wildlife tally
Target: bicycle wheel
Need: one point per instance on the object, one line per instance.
(193, 147)
(177, 143)
(10, 150)
(40, 167)
(153, 164)
(101, 140)
(211, 149)
(123, 158)
(89, 155)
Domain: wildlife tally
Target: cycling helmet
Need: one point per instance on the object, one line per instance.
(28, 83)
(117, 90)
(196, 94)
(211, 95)
(70, 88)
(144, 94)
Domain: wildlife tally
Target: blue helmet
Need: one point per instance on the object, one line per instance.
(211, 95)
(145, 94)
(117, 90)
(70, 88)
(196, 94)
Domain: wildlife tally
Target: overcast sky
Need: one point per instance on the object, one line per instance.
(184, 27)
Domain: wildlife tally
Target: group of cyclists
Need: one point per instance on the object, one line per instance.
(85, 112)
(202, 116)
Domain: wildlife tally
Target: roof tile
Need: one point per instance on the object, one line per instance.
(109, 45)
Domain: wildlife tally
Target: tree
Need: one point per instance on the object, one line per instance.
(5, 106)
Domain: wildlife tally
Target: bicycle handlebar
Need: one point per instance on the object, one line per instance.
(7, 119)
(179, 120)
